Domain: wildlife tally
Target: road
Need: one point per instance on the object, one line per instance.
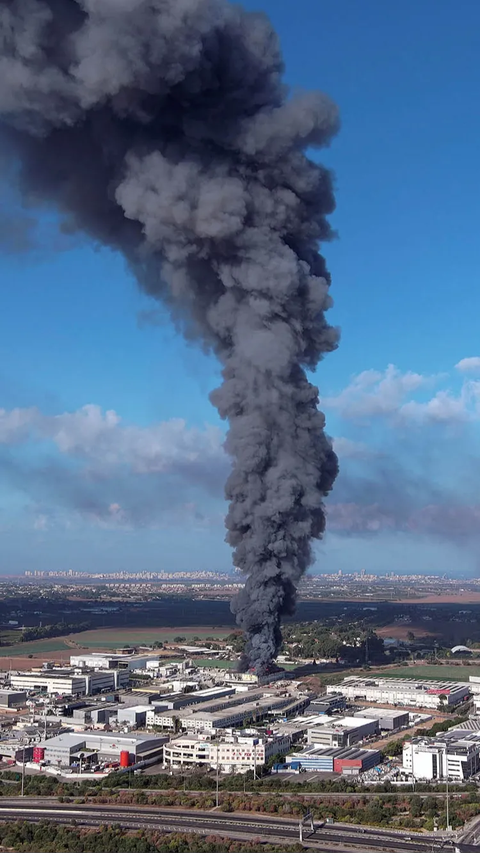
(360, 839)
(471, 832)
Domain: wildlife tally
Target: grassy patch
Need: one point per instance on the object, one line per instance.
(56, 644)
(447, 672)
(116, 638)
(9, 636)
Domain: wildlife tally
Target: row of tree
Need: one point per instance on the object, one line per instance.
(355, 642)
(51, 838)
(59, 629)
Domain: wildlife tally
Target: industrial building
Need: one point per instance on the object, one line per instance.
(455, 753)
(342, 731)
(95, 715)
(241, 714)
(69, 682)
(252, 679)
(223, 697)
(12, 698)
(389, 720)
(65, 749)
(350, 761)
(234, 752)
(133, 715)
(328, 704)
(114, 661)
(403, 691)
(237, 710)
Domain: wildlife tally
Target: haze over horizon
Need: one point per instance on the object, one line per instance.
(110, 453)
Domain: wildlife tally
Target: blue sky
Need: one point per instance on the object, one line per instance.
(141, 488)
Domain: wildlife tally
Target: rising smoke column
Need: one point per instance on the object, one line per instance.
(162, 128)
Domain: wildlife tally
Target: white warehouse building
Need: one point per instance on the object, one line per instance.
(68, 682)
(455, 754)
(342, 731)
(403, 691)
(114, 661)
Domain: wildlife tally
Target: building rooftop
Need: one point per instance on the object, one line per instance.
(72, 738)
(376, 713)
(403, 683)
(9, 691)
(334, 723)
(346, 752)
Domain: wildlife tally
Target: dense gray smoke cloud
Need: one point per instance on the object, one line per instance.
(162, 129)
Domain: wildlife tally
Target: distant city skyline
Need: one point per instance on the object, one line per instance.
(110, 452)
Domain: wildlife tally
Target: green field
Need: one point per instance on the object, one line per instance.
(440, 673)
(56, 644)
(114, 638)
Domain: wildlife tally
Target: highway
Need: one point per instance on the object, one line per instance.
(360, 839)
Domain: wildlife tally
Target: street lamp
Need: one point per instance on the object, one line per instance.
(448, 827)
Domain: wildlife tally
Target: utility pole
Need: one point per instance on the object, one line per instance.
(23, 770)
(217, 782)
(448, 801)
(447, 789)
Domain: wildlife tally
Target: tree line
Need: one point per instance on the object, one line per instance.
(57, 630)
(45, 837)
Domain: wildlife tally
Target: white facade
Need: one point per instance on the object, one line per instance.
(72, 684)
(235, 752)
(113, 661)
(341, 731)
(403, 691)
(455, 755)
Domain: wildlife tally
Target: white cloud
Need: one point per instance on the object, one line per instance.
(444, 519)
(443, 407)
(374, 393)
(15, 424)
(100, 439)
(465, 365)
(391, 394)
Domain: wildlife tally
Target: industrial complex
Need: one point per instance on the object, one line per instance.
(115, 712)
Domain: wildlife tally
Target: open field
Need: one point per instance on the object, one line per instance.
(56, 644)
(115, 638)
(461, 597)
(9, 636)
(447, 672)
(401, 632)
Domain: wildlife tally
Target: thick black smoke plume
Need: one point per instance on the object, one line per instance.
(162, 128)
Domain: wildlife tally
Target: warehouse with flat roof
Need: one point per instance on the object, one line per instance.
(12, 698)
(342, 731)
(70, 682)
(403, 691)
(349, 761)
(63, 750)
(389, 719)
